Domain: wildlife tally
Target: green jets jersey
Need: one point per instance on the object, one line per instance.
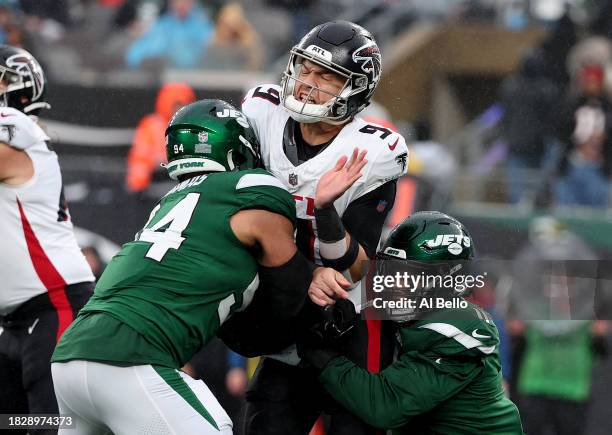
(558, 360)
(446, 380)
(180, 278)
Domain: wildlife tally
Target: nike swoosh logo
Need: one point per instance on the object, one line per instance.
(4, 115)
(31, 328)
(439, 360)
(475, 334)
(392, 147)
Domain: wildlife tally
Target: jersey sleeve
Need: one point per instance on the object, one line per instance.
(258, 103)
(388, 160)
(411, 386)
(19, 130)
(454, 333)
(261, 190)
(365, 217)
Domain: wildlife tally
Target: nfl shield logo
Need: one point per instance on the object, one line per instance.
(293, 180)
(203, 136)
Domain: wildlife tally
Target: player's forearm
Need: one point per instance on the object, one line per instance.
(356, 271)
(338, 249)
(366, 395)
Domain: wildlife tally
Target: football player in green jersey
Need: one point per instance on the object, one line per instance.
(447, 376)
(223, 232)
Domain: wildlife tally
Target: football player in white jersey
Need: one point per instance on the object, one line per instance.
(304, 126)
(45, 277)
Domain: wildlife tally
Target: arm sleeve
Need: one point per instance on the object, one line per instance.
(411, 386)
(364, 218)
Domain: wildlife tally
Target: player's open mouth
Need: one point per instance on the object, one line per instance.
(305, 98)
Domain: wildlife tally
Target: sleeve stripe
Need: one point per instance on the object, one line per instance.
(253, 180)
(458, 335)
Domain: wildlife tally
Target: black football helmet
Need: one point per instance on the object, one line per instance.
(345, 49)
(24, 80)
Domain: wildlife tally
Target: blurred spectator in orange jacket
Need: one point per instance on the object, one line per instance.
(148, 146)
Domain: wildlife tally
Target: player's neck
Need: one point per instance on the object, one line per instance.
(319, 133)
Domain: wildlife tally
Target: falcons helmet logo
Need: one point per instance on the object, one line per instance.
(29, 69)
(368, 56)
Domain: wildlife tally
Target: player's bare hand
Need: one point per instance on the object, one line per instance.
(327, 284)
(339, 179)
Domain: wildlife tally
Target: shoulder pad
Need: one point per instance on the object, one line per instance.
(257, 178)
(19, 130)
(258, 104)
(259, 189)
(260, 98)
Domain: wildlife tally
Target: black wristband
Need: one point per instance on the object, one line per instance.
(347, 260)
(329, 225)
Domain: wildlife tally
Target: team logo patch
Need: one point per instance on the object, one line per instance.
(382, 204)
(402, 160)
(203, 136)
(293, 179)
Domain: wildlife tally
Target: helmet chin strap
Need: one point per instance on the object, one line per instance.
(35, 106)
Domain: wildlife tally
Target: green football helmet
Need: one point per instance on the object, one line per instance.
(429, 245)
(210, 136)
(428, 236)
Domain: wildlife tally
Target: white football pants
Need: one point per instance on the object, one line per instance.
(144, 399)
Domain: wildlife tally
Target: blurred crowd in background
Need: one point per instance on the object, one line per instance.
(550, 138)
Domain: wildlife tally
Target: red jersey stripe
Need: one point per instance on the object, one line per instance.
(48, 274)
(373, 345)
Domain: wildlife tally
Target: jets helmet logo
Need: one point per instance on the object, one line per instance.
(231, 113)
(454, 242)
(368, 56)
(30, 71)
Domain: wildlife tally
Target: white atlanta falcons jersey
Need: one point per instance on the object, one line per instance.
(387, 155)
(39, 251)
